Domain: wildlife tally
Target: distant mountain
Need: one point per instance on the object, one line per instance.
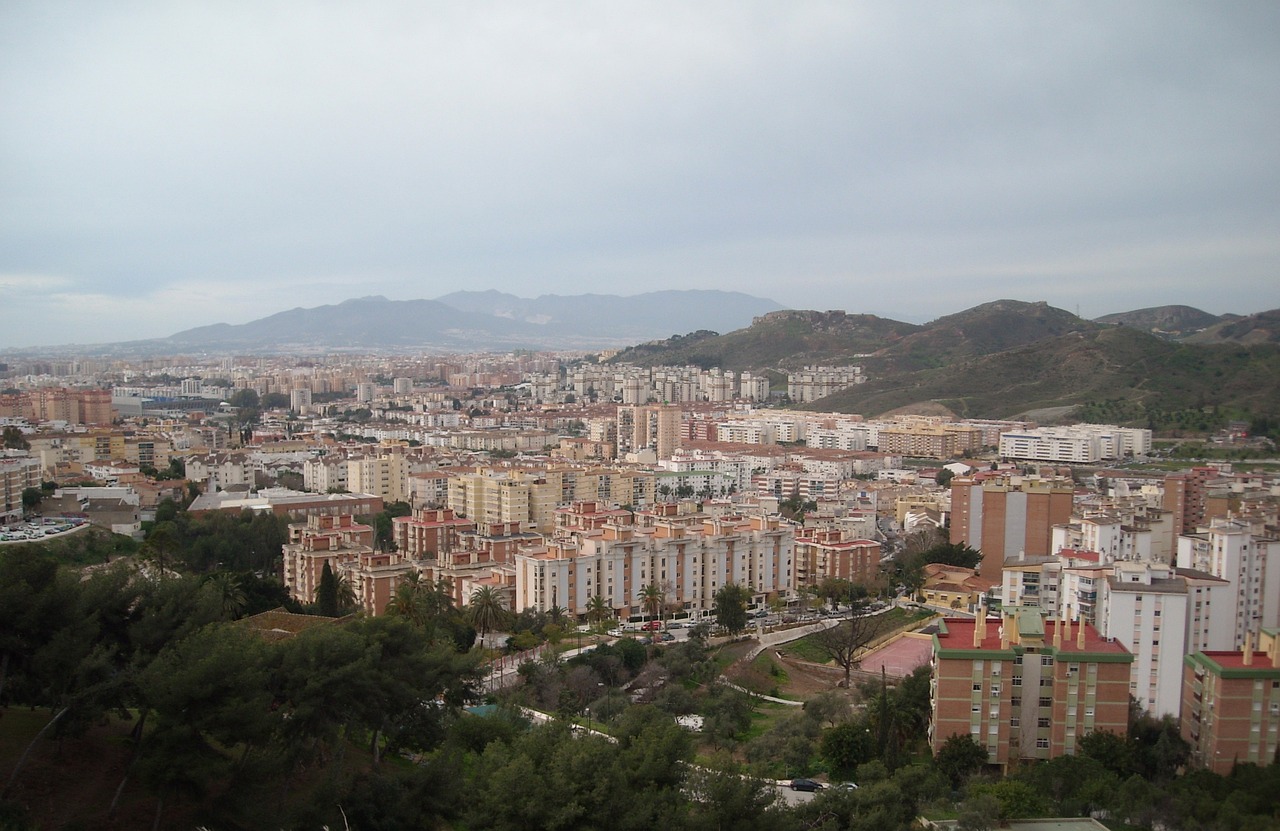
(1263, 327)
(620, 319)
(476, 321)
(1166, 321)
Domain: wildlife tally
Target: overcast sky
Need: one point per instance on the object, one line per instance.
(166, 165)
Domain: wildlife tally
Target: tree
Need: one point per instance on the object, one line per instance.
(598, 609)
(844, 642)
(652, 597)
(487, 611)
(15, 440)
(959, 757)
(848, 745)
(731, 607)
(31, 497)
(327, 592)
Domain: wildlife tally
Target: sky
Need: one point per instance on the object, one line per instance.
(169, 165)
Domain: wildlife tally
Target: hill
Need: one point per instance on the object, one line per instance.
(1143, 375)
(783, 339)
(998, 360)
(1165, 321)
(1263, 327)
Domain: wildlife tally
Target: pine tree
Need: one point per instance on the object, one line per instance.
(327, 593)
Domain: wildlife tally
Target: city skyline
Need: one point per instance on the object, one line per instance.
(164, 168)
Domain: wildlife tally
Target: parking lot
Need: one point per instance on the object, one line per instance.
(37, 530)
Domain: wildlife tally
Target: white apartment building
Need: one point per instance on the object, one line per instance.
(1162, 614)
(844, 436)
(814, 382)
(1248, 561)
(219, 471)
(325, 474)
(689, 562)
(1077, 444)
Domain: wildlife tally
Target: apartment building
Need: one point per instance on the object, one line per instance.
(1231, 704)
(688, 558)
(17, 473)
(814, 382)
(219, 471)
(1247, 556)
(385, 475)
(1077, 444)
(822, 553)
(72, 406)
(1006, 516)
(1026, 687)
(336, 540)
(920, 442)
(430, 533)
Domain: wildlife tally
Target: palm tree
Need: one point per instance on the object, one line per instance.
(231, 598)
(346, 593)
(409, 600)
(652, 597)
(486, 610)
(556, 614)
(598, 609)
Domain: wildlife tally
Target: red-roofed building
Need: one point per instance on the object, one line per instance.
(1025, 687)
(1231, 704)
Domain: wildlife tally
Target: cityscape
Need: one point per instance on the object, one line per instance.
(1034, 586)
(853, 416)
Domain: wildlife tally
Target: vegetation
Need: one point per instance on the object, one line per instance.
(731, 607)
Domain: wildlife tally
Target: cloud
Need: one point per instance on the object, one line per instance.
(211, 161)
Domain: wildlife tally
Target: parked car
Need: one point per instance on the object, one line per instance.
(806, 785)
(666, 636)
(652, 626)
(847, 786)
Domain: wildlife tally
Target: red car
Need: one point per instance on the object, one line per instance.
(652, 626)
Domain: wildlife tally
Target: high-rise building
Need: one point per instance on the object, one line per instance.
(1026, 687)
(1231, 704)
(1006, 516)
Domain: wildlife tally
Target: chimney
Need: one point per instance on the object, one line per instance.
(1080, 635)
(1059, 625)
(1248, 649)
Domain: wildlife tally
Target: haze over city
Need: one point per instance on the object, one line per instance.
(164, 167)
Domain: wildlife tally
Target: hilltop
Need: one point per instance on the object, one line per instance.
(1173, 322)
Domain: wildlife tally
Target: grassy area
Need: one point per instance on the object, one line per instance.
(891, 622)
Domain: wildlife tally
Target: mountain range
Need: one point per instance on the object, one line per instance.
(1009, 358)
(472, 321)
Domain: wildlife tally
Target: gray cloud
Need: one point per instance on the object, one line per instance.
(180, 164)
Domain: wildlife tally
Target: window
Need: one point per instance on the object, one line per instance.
(1015, 722)
(1042, 743)
(1044, 722)
(1017, 680)
(1046, 660)
(1016, 701)
(1046, 702)
(977, 688)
